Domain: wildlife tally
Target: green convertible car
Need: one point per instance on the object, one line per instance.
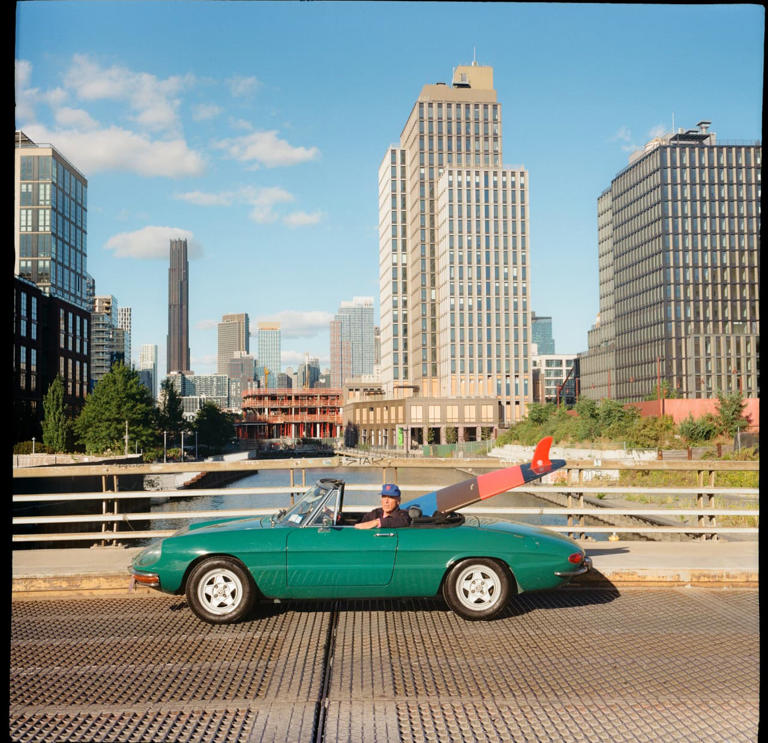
(313, 550)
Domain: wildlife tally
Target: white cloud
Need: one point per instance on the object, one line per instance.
(261, 200)
(152, 99)
(200, 198)
(243, 86)
(205, 111)
(114, 148)
(624, 134)
(267, 149)
(76, 118)
(23, 73)
(296, 324)
(151, 243)
(657, 131)
(302, 219)
(243, 124)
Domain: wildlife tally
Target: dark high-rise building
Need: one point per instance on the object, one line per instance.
(678, 251)
(541, 334)
(51, 338)
(178, 309)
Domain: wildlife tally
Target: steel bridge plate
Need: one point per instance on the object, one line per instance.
(580, 665)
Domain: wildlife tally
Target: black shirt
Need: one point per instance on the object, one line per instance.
(395, 519)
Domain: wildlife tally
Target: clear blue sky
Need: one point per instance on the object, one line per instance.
(256, 130)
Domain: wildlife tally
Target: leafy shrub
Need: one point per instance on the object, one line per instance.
(649, 433)
(697, 430)
(25, 447)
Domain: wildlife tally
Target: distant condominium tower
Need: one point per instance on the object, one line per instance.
(107, 338)
(353, 348)
(454, 252)
(541, 334)
(148, 364)
(50, 221)
(234, 340)
(678, 260)
(178, 309)
(124, 322)
(269, 364)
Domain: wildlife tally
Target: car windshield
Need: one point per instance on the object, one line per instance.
(300, 513)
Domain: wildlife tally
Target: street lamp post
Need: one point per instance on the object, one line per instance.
(165, 446)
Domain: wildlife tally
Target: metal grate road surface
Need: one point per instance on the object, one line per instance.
(573, 665)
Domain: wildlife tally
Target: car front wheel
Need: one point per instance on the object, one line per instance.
(220, 591)
(477, 588)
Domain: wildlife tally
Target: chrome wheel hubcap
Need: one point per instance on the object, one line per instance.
(220, 591)
(478, 587)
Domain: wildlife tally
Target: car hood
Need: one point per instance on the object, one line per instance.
(244, 523)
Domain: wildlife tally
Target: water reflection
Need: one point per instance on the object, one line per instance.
(412, 481)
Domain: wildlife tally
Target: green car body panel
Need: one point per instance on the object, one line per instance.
(344, 562)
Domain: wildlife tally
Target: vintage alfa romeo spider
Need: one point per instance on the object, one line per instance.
(312, 550)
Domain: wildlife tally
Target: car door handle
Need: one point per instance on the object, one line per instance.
(384, 534)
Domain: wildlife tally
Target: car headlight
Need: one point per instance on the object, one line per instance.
(149, 555)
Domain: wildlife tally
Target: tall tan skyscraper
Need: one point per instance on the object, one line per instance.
(234, 340)
(453, 251)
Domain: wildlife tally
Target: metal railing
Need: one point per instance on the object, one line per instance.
(117, 526)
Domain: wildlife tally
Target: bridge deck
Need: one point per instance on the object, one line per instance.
(651, 664)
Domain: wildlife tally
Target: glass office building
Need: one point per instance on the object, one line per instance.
(678, 251)
(50, 221)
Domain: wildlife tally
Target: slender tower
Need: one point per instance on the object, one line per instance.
(178, 309)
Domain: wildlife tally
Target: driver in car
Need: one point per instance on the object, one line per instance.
(389, 516)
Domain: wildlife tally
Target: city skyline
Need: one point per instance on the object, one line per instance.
(262, 176)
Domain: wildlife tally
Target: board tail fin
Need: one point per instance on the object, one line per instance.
(540, 463)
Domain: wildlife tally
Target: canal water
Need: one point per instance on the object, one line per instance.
(412, 482)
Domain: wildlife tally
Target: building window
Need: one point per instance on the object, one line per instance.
(25, 220)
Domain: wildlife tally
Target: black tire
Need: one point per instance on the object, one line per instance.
(220, 590)
(477, 588)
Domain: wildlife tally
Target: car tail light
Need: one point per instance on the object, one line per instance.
(576, 558)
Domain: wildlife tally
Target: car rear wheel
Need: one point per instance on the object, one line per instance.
(477, 588)
(220, 591)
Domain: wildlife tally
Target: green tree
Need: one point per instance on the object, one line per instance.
(540, 412)
(56, 426)
(215, 429)
(730, 412)
(118, 397)
(171, 411)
